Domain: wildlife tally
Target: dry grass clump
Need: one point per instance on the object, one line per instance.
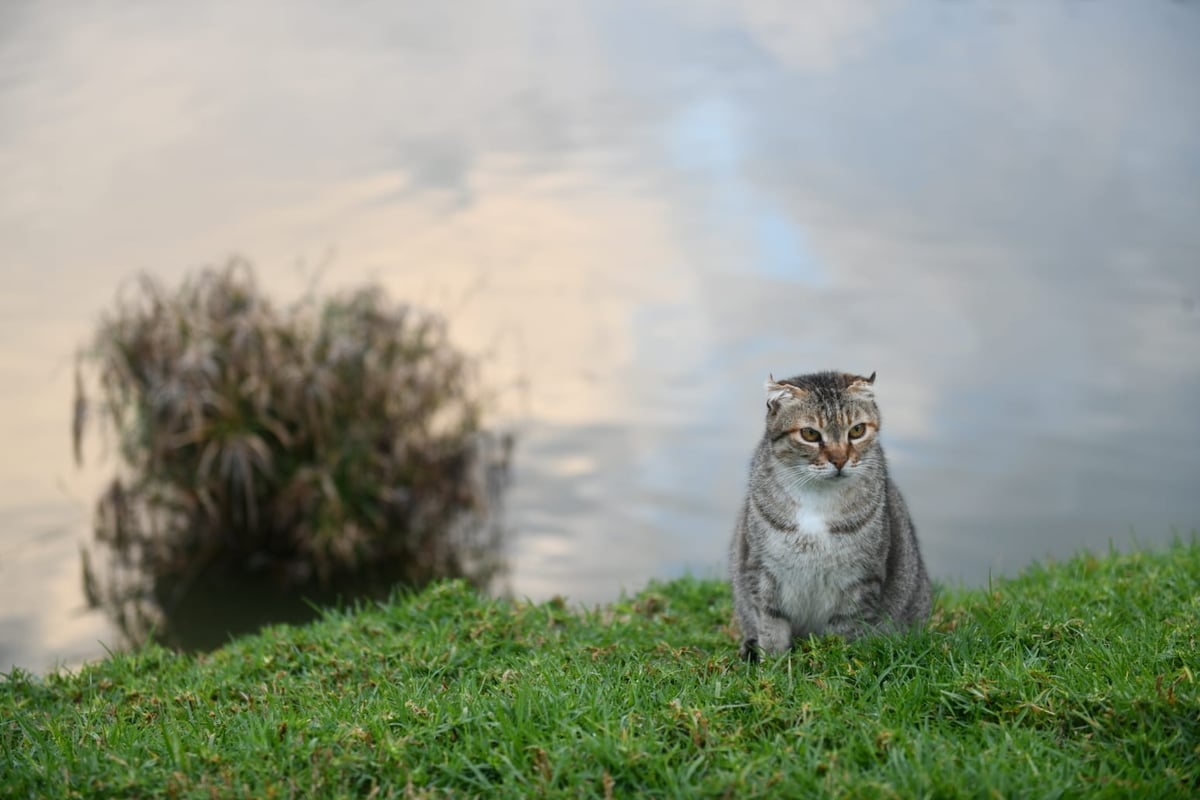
(333, 448)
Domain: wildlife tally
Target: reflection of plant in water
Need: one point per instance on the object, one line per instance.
(331, 448)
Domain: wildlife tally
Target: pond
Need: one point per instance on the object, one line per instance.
(631, 213)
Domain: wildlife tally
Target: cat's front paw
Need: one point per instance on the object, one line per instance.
(749, 651)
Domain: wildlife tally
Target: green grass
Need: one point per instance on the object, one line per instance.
(1074, 679)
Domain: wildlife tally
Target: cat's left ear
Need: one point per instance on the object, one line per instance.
(861, 385)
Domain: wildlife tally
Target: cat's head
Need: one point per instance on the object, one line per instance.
(824, 425)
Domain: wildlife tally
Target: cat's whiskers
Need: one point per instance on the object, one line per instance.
(805, 477)
(798, 479)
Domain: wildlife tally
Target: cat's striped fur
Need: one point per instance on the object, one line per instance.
(824, 543)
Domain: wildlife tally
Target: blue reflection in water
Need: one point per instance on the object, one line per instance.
(708, 140)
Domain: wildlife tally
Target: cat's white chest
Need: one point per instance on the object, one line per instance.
(811, 568)
(813, 520)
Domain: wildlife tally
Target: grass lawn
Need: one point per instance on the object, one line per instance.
(1078, 678)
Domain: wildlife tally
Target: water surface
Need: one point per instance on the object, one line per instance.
(632, 213)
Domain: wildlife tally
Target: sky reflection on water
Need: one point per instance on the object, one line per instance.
(634, 212)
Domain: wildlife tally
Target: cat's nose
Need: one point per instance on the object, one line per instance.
(838, 460)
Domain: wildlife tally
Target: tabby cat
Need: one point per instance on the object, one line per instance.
(824, 543)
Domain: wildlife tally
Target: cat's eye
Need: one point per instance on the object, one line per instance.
(810, 434)
(858, 431)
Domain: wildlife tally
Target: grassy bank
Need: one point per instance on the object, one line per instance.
(1075, 678)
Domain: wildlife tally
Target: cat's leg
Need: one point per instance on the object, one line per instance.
(771, 633)
(775, 630)
(746, 614)
(765, 629)
(748, 622)
(747, 583)
(748, 652)
(863, 610)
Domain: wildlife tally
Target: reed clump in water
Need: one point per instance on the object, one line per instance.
(332, 449)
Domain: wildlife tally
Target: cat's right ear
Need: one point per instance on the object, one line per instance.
(778, 391)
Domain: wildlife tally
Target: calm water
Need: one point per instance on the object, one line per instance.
(633, 212)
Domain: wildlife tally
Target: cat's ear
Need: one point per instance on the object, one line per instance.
(861, 385)
(778, 391)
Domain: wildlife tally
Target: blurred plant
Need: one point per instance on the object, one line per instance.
(330, 450)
